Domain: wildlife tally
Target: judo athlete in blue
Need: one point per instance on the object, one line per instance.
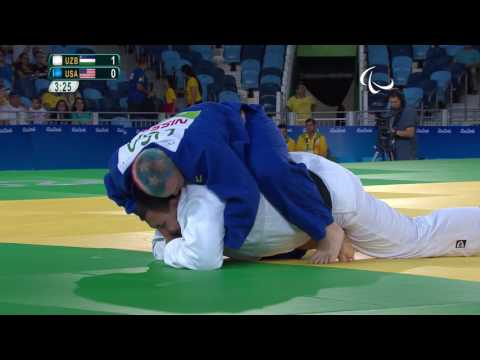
(212, 144)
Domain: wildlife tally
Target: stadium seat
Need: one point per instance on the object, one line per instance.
(457, 71)
(273, 60)
(378, 55)
(41, 85)
(192, 56)
(271, 79)
(251, 64)
(253, 52)
(452, 49)
(401, 69)
(381, 78)
(250, 79)
(420, 51)
(7, 84)
(415, 79)
(92, 94)
(205, 80)
(26, 102)
(269, 89)
(400, 50)
(204, 50)
(123, 89)
(413, 96)
(271, 71)
(231, 53)
(435, 52)
(229, 96)
(219, 76)
(443, 79)
(204, 67)
(170, 59)
(277, 49)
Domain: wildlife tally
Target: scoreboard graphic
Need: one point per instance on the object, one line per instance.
(67, 70)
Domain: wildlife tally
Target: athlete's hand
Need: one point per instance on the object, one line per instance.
(329, 247)
(347, 252)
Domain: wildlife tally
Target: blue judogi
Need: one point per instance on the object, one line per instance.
(218, 150)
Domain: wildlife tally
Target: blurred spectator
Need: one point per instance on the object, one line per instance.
(170, 97)
(24, 76)
(341, 115)
(6, 71)
(40, 68)
(50, 100)
(193, 91)
(139, 98)
(301, 104)
(470, 57)
(39, 114)
(13, 110)
(403, 120)
(311, 140)
(18, 50)
(80, 116)
(288, 140)
(60, 113)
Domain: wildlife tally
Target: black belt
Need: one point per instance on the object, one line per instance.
(322, 188)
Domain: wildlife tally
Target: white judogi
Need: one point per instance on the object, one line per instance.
(374, 227)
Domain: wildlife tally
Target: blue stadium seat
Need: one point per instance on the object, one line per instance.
(378, 55)
(429, 87)
(204, 50)
(277, 49)
(231, 53)
(269, 89)
(443, 79)
(204, 67)
(435, 52)
(251, 64)
(229, 96)
(250, 79)
(400, 50)
(401, 69)
(123, 89)
(7, 84)
(205, 80)
(413, 96)
(253, 52)
(170, 59)
(452, 49)
(193, 57)
(41, 85)
(219, 76)
(271, 79)
(26, 102)
(457, 71)
(381, 78)
(271, 71)
(273, 60)
(92, 94)
(420, 51)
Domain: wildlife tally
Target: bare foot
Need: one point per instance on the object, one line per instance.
(329, 247)
(347, 252)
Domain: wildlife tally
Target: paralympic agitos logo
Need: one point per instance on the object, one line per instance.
(372, 85)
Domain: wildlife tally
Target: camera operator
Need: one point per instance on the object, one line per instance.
(403, 127)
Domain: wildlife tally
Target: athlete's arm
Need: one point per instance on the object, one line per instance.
(201, 244)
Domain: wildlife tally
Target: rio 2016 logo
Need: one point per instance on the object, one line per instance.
(372, 85)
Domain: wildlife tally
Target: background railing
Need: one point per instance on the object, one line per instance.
(426, 117)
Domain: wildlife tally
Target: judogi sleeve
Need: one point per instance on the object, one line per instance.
(201, 244)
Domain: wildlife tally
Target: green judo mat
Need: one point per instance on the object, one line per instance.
(37, 279)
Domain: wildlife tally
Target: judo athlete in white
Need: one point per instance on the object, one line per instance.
(372, 226)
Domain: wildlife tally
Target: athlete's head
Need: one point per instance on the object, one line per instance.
(156, 175)
(158, 213)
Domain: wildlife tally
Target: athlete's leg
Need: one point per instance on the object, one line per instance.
(449, 232)
(285, 184)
